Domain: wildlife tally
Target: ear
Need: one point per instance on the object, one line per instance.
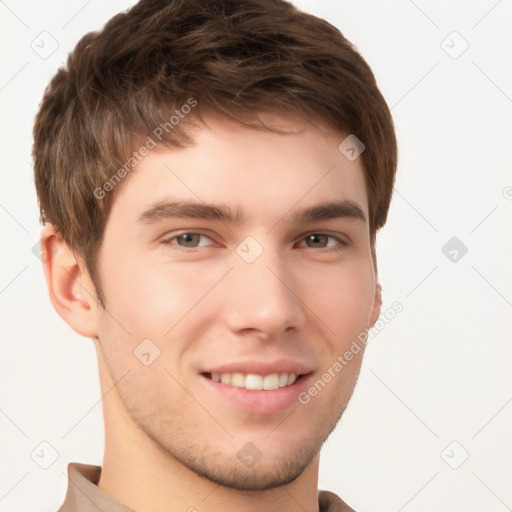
(377, 303)
(71, 290)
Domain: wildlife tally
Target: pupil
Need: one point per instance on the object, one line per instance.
(188, 237)
(315, 238)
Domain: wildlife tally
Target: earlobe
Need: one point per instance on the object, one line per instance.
(69, 285)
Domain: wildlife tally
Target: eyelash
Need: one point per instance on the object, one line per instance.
(342, 243)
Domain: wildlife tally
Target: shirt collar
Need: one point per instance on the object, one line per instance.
(83, 494)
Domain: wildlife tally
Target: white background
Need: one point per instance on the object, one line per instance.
(438, 373)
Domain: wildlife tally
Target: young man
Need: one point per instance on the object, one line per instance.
(212, 176)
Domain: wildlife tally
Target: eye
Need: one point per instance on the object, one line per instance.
(320, 241)
(188, 239)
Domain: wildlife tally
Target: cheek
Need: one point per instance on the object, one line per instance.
(149, 298)
(153, 302)
(344, 300)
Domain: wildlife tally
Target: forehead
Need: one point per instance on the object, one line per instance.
(257, 173)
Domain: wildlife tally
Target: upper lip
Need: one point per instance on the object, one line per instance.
(262, 367)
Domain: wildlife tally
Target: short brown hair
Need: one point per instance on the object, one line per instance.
(234, 57)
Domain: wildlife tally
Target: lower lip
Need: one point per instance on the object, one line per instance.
(259, 402)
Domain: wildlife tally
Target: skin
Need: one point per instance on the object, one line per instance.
(171, 443)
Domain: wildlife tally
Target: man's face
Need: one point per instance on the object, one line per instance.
(268, 294)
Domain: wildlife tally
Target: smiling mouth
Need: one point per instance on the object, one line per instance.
(252, 381)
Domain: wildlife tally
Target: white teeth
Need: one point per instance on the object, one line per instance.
(256, 382)
(271, 381)
(253, 381)
(238, 380)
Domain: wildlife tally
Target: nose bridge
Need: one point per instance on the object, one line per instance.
(260, 294)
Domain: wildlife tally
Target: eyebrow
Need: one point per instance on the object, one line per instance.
(190, 209)
(329, 210)
(171, 209)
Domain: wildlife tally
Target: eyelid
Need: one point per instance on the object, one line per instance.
(340, 236)
(167, 238)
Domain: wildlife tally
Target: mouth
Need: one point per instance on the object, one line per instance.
(256, 393)
(253, 381)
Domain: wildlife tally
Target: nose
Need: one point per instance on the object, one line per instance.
(262, 298)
